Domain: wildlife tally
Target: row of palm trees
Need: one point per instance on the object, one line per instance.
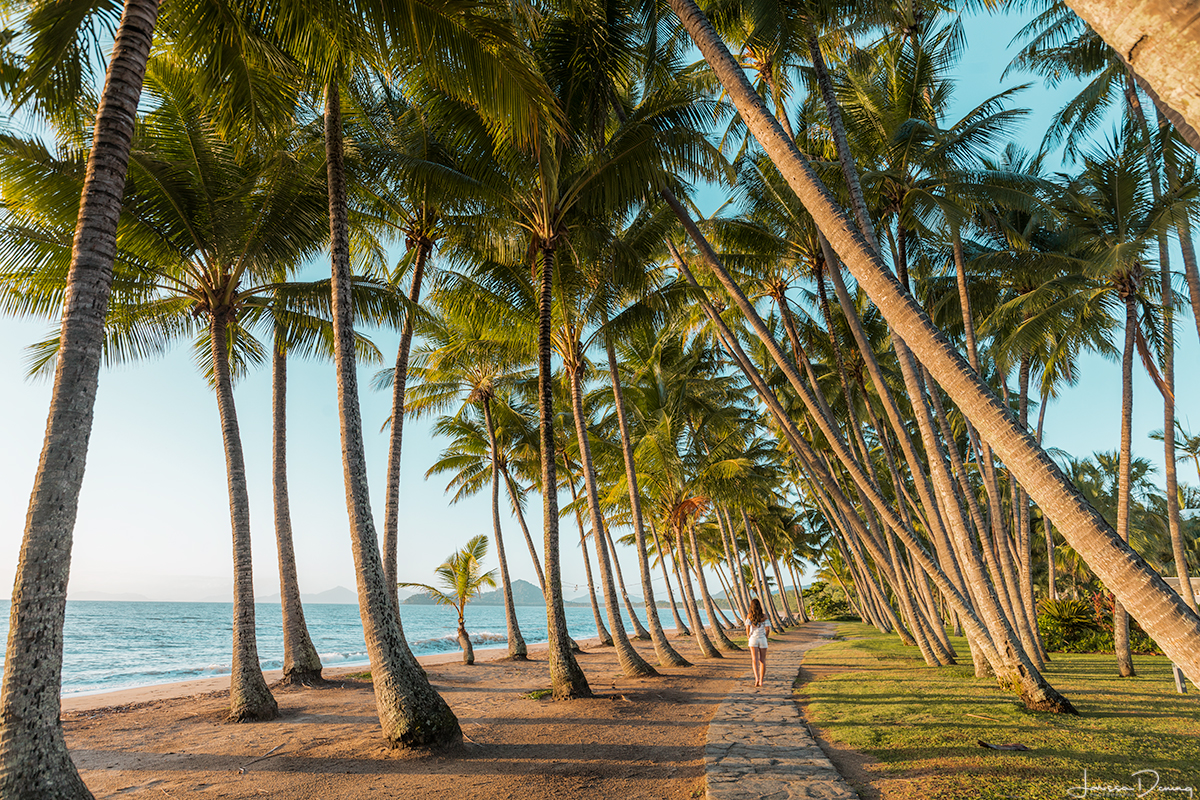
(538, 165)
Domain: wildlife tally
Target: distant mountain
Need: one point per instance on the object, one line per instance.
(338, 595)
(524, 594)
(128, 597)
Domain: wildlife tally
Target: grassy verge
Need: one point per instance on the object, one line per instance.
(916, 721)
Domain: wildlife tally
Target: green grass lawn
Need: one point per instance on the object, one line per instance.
(914, 719)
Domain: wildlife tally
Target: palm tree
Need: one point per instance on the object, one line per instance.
(33, 756)
(470, 54)
(1173, 625)
(210, 230)
(462, 361)
(420, 194)
(463, 578)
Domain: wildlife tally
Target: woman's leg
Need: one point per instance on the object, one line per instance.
(762, 665)
(754, 663)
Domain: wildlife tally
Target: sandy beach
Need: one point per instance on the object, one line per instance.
(637, 738)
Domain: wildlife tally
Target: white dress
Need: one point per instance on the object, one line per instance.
(758, 634)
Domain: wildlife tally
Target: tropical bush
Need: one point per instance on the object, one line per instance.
(824, 601)
(1085, 626)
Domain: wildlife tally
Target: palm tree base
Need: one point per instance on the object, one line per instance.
(36, 765)
(309, 678)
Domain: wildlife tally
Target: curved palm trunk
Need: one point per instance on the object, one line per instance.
(667, 655)
(640, 631)
(249, 697)
(681, 629)
(34, 762)
(301, 662)
(411, 713)
(632, 663)
(737, 598)
(1157, 39)
(1168, 357)
(391, 524)
(707, 649)
(1163, 613)
(1010, 669)
(510, 484)
(516, 643)
(464, 641)
(1120, 618)
(1183, 227)
(602, 633)
(567, 680)
(710, 607)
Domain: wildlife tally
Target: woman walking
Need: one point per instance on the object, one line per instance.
(757, 627)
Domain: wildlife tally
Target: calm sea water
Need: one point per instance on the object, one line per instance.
(112, 645)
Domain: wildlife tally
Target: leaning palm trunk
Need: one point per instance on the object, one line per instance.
(632, 663)
(1164, 615)
(640, 631)
(710, 607)
(707, 649)
(34, 762)
(411, 713)
(301, 662)
(602, 633)
(514, 496)
(1010, 666)
(1157, 39)
(667, 655)
(737, 597)
(249, 697)
(516, 643)
(567, 680)
(391, 524)
(681, 628)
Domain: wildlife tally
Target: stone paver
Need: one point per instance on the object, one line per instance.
(759, 747)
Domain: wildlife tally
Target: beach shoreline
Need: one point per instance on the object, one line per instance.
(198, 686)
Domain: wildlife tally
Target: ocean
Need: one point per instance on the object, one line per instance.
(110, 645)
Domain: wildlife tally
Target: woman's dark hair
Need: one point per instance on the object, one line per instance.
(756, 615)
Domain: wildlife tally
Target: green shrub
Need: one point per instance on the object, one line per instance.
(827, 602)
(1083, 626)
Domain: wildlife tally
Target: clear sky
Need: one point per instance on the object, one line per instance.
(153, 516)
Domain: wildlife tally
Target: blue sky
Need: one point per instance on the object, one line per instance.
(153, 515)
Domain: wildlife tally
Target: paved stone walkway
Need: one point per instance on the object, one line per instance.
(759, 747)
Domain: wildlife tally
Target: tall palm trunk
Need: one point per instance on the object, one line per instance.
(567, 680)
(34, 762)
(411, 713)
(681, 628)
(1120, 617)
(1168, 358)
(632, 663)
(514, 496)
(602, 633)
(707, 649)
(391, 524)
(1163, 613)
(301, 662)
(667, 655)
(710, 607)
(737, 598)
(249, 697)
(516, 643)
(640, 631)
